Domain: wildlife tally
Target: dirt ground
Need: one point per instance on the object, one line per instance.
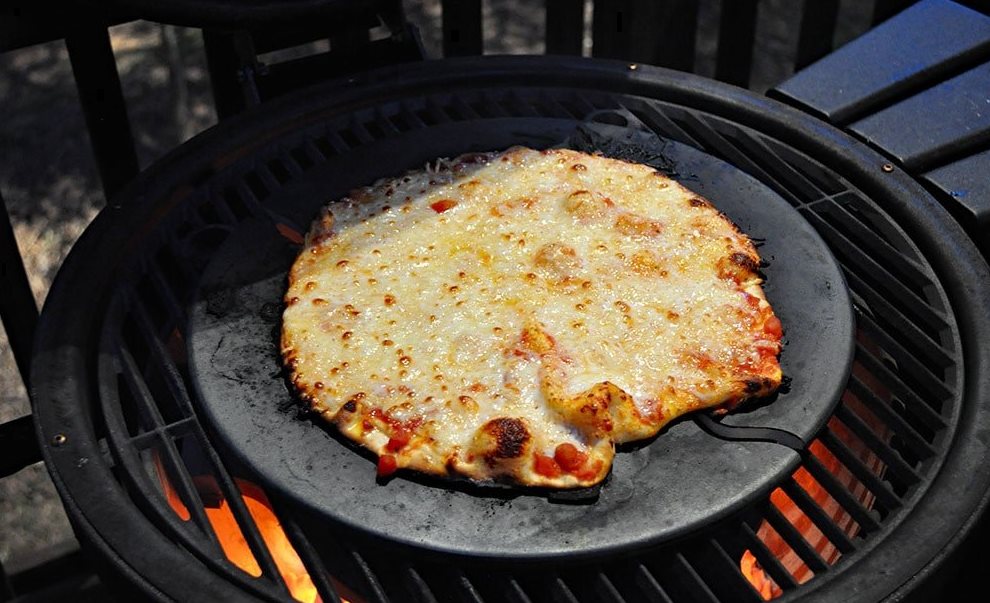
(52, 191)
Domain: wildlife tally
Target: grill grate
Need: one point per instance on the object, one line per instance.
(871, 461)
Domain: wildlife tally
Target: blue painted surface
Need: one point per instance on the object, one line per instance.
(937, 123)
(932, 37)
(967, 181)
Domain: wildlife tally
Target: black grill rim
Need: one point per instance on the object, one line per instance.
(65, 347)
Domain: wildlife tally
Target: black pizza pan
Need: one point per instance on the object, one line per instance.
(693, 473)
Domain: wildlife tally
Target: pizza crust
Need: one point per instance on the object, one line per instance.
(512, 316)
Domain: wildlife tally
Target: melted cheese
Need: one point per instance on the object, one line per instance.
(414, 297)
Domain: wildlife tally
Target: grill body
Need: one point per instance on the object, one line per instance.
(890, 486)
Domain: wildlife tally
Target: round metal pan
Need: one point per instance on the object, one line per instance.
(683, 479)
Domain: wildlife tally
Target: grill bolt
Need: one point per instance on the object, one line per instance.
(59, 439)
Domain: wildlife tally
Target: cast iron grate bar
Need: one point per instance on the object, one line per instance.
(521, 107)
(124, 365)
(899, 325)
(247, 196)
(715, 144)
(162, 440)
(894, 462)
(818, 516)
(657, 120)
(236, 504)
(307, 553)
(794, 539)
(465, 588)
(884, 496)
(162, 359)
(820, 176)
(224, 212)
(578, 104)
(913, 368)
(374, 588)
(860, 263)
(913, 403)
(148, 412)
(383, 124)
(753, 147)
(466, 111)
(249, 529)
(168, 297)
(841, 494)
(292, 165)
(180, 479)
(337, 144)
(697, 582)
(647, 583)
(416, 585)
(494, 103)
(904, 267)
(360, 133)
(436, 107)
(768, 561)
(411, 116)
(566, 109)
(312, 152)
(730, 582)
(606, 590)
(912, 440)
(515, 592)
(267, 178)
(857, 263)
(560, 592)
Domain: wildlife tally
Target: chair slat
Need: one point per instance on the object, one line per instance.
(736, 38)
(461, 28)
(17, 307)
(818, 21)
(679, 25)
(649, 31)
(565, 27)
(98, 83)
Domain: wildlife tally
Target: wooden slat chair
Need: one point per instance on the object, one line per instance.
(662, 32)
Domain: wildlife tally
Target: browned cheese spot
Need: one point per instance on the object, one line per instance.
(738, 266)
(646, 262)
(510, 435)
(638, 226)
(557, 260)
(585, 206)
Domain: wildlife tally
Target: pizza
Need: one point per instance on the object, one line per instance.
(512, 316)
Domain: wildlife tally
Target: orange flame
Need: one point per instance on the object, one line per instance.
(231, 538)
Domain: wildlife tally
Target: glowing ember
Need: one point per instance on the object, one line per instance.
(750, 567)
(776, 545)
